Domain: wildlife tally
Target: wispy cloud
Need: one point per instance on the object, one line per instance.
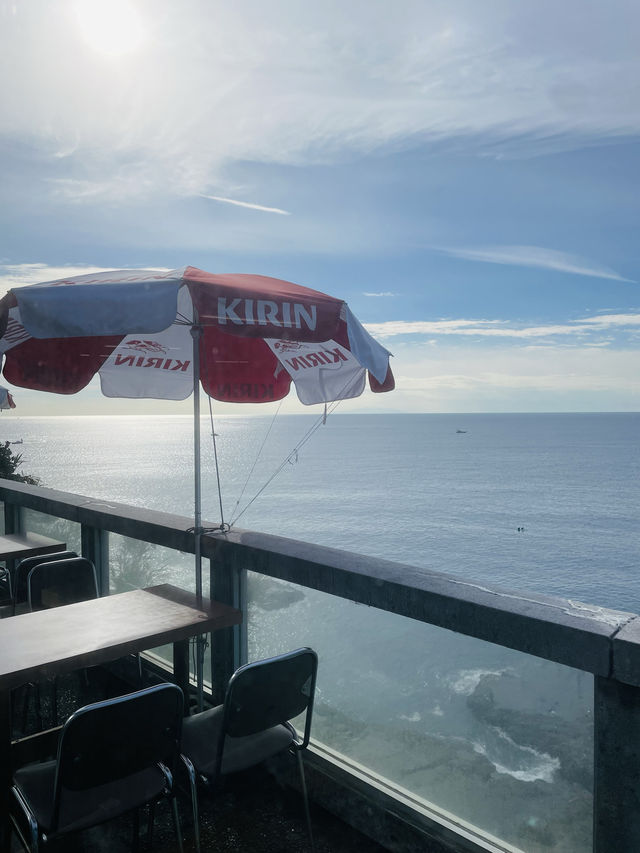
(394, 328)
(610, 321)
(316, 87)
(21, 275)
(535, 257)
(501, 329)
(379, 294)
(501, 378)
(249, 204)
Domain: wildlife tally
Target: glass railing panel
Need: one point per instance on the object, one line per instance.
(61, 529)
(134, 564)
(500, 739)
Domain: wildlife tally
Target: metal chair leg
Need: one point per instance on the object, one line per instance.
(135, 831)
(176, 823)
(39, 720)
(152, 817)
(303, 783)
(54, 700)
(193, 787)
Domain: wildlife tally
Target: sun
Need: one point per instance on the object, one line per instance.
(111, 27)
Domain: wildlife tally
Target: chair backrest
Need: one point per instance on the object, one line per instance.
(24, 567)
(58, 582)
(269, 692)
(112, 740)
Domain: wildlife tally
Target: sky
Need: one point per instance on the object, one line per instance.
(464, 174)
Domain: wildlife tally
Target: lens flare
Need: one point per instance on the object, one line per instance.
(111, 27)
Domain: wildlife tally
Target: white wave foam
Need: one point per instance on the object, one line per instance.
(466, 680)
(542, 766)
(411, 718)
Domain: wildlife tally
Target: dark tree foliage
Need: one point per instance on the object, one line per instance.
(9, 464)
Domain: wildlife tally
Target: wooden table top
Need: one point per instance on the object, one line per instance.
(17, 546)
(50, 642)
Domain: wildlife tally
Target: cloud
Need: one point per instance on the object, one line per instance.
(502, 329)
(499, 378)
(380, 294)
(248, 204)
(313, 84)
(610, 321)
(536, 257)
(20, 275)
(395, 328)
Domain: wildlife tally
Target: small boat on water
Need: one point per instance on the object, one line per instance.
(460, 430)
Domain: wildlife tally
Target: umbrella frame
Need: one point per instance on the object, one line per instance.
(196, 334)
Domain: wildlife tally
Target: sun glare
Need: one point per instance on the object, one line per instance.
(111, 27)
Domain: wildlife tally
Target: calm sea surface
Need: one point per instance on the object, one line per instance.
(405, 487)
(546, 503)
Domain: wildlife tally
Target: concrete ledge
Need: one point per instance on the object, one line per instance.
(160, 528)
(556, 629)
(626, 653)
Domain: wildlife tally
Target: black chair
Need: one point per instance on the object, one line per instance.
(21, 572)
(113, 757)
(57, 582)
(18, 595)
(253, 723)
(53, 583)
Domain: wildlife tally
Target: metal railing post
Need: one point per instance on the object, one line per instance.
(616, 795)
(95, 547)
(227, 586)
(13, 518)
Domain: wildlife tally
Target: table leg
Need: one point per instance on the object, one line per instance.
(5, 769)
(181, 670)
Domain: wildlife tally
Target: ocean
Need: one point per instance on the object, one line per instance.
(533, 502)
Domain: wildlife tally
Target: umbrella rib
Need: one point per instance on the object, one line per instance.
(182, 320)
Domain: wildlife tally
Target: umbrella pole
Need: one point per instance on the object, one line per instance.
(196, 334)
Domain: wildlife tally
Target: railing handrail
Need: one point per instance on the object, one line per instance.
(593, 639)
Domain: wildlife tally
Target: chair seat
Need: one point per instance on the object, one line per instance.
(200, 739)
(82, 809)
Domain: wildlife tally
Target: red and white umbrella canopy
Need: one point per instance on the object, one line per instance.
(134, 329)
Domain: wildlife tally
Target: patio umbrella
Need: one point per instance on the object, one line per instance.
(150, 334)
